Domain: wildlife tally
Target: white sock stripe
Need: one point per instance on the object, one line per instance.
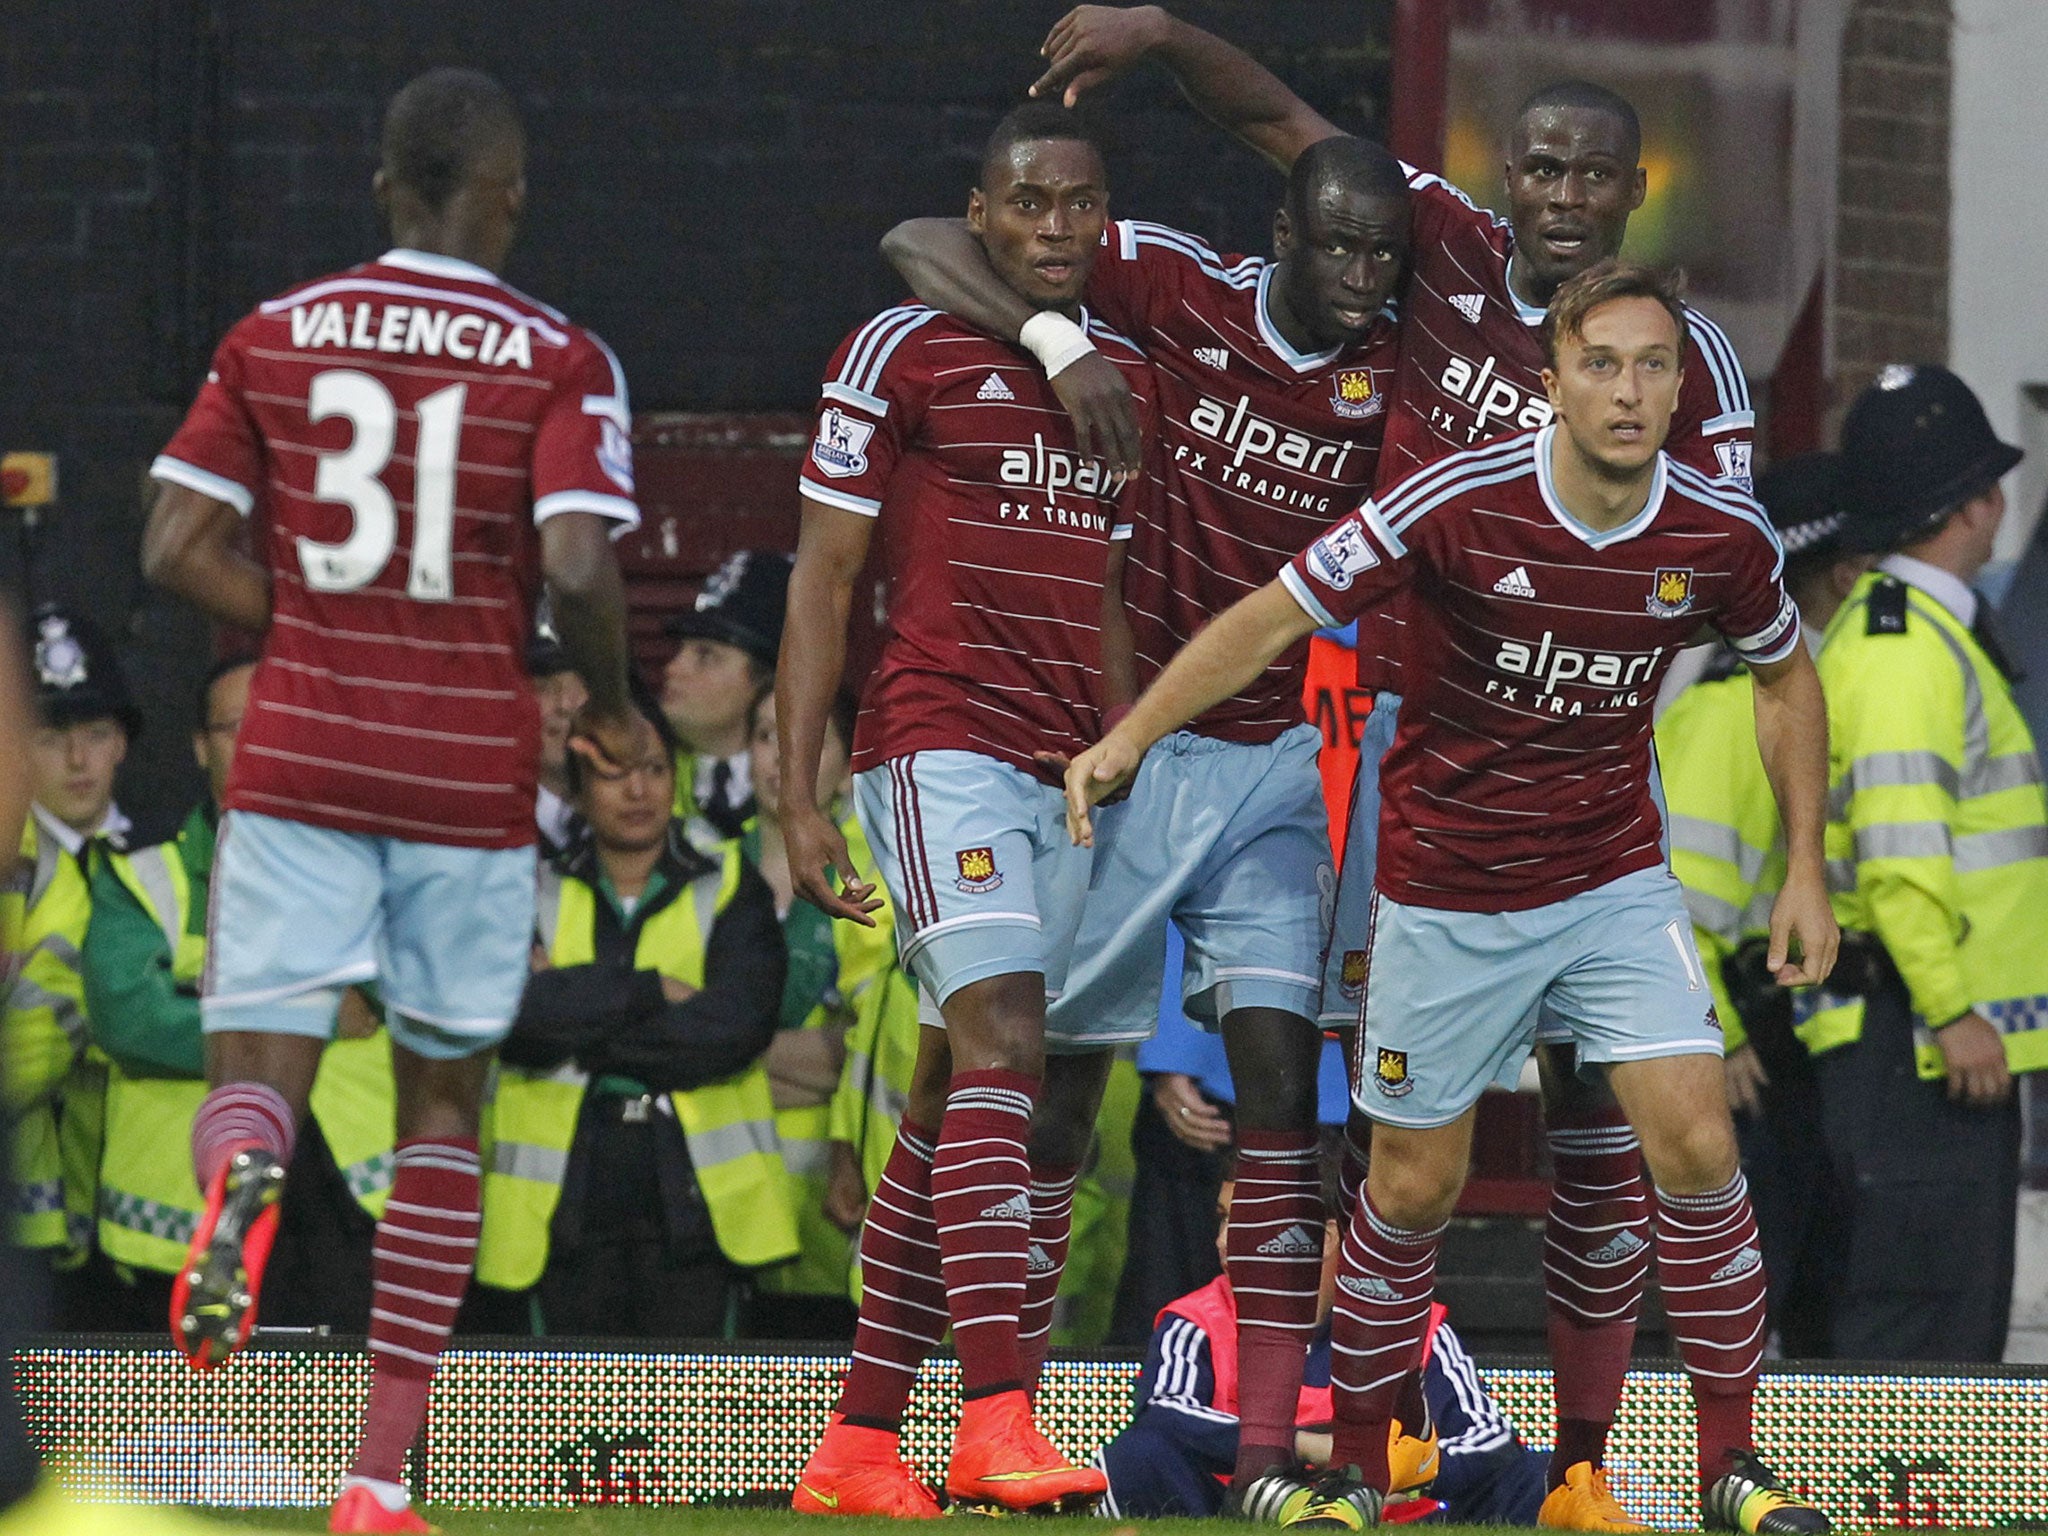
(887, 1365)
(400, 1320)
(901, 1333)
(1404, 1237)
(386, 1347)
(1727, 1195)
(985, 1285)
(431, 1212)
(437, 1154)
(432, 1298)
(385, 1255)
(412, 1235)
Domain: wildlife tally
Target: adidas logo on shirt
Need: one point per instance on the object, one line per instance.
(1016, 1208)
(1214, 357)
(1469, 305)
(1741, 1264)
(1297, 1239)
(1516, 584)
(993, 388)
(1371, 1287)
(1619, 1246)
(1038, 1261)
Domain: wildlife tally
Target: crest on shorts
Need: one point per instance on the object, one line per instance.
(1670, 592)
(1390, 1072)
(1353, 396)
(978, 871)
(1351, 979)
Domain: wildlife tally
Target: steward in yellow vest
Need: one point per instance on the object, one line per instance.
(1728, 850)
(1937, 847)
(633, 1177)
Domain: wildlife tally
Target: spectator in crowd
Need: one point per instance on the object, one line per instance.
(56, 1088)
(727, 657)
(830, 966)
(1181, 1142)
(144, 950)
(559, 688)
(632, 1195)
(1937, 848)
(1176, 1456)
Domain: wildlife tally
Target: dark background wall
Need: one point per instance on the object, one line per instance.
(708, 182)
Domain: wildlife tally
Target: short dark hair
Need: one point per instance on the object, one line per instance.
(649, 707)
(214, 674)
(1355, 164)
(439, 128)
(1593, 98)
(1603, 283)
(1035, 121)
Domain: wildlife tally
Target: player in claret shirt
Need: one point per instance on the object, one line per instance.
(1005, 641)
(1520, 878)
(427, 446)
(1272, 383)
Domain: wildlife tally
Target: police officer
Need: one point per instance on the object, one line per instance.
(561, 694)
(144, 950)
(1937, 848)
(1727, 848)
(726, 660)
(55, 1088)
(634, 1174)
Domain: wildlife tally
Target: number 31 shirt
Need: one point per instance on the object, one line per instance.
(402, 428)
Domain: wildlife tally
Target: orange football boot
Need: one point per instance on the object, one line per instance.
(1000, 1458)
(358, 1510)
(1583, 1502)
(213, 1298)
(1412, 1460)
(859, 1470)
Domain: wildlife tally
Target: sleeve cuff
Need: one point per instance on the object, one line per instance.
(865, 506)
(204, 481)
(618, 508)
(1298, 589)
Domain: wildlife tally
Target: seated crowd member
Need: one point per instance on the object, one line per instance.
(726, 659)
(1176, 1456)
(144, 950)
(632, 1194)
(831, 966)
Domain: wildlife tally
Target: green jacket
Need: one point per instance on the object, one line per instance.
(144, 1012)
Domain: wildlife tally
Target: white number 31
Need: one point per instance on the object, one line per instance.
(350, 476)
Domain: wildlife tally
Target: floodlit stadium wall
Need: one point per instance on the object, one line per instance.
(568, 1426)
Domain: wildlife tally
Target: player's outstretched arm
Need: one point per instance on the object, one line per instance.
(946, 268)
(588, 598)
(1092, 44)
(831, 548)
(1235, 648)
(192, 546)
(1792, 736)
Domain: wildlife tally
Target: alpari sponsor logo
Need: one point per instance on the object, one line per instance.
(1250, 449)
(1052, 470)
(1370, 1287)
(1741, 1264)
(1016, 1208)
(413, 330)
(1498, 405)
(1297, 1239)
(1619, 1246)
(1632, 677)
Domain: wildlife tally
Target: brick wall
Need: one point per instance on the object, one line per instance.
(708, 184)
(1892, 235)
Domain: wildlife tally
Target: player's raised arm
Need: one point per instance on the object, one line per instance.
(949, 269)
(831, 548)
(589, 602)
(1092, 44)
(1792, 736)
(1242, 642)
(192, 546)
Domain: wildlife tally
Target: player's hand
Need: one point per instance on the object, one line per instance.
(1097, 397)
(1093, 44)
(1092, 778)
(1746, 1079)
(612, 744)
(816, 849)
(677, 991)
(1054, 766)
(1801, 919)
(846, 1194)
(1975, 1053)
(1194, 1121)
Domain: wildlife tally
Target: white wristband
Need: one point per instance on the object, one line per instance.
(1055, 341)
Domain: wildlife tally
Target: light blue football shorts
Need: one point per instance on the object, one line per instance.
(977, 860)
(1229, 840)
(1453, 1000)
(297, 912)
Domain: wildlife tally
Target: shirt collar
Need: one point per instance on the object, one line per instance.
(1300, 362)
(1592, 537)
(114, 826)
(739, 783)
(1528, 314)
(435, 265)
(1945, 587)
(554, 816)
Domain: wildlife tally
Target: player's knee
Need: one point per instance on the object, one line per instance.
(1413, 1188)
(1695, 1157)
(998, 1024)
(1275, 1060)
(1063, 1121)
(929, 1078)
